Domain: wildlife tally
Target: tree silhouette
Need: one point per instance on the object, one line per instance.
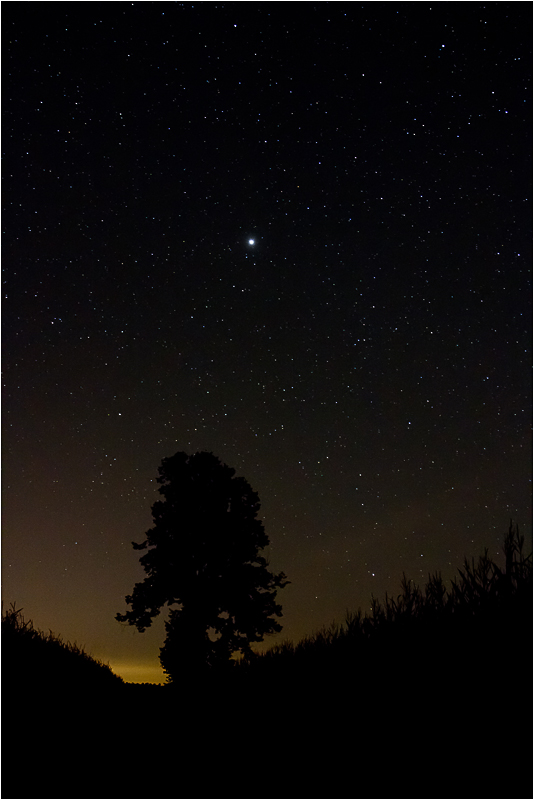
(204, 558)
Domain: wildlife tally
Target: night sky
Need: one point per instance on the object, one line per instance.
(297, 235)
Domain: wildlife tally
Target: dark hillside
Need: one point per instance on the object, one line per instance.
(54, 701)
(34, 661)
(428, 696)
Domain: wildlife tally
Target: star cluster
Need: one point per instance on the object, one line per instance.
(296, 236)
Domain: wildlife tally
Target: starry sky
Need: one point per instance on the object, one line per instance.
(297, 235)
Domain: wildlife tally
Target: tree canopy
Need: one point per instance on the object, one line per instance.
(203, 559)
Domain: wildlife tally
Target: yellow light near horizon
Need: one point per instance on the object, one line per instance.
(138, 673)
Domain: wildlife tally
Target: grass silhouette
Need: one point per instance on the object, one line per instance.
(33, 660)
(484, 601)
(427, 695)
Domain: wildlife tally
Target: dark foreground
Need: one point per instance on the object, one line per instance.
(438, 724)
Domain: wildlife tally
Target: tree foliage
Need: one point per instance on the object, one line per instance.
(203, 559)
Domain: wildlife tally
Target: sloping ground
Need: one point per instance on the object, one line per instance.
(34, 661)
(454, 723)
(430, 705)
(53, 700)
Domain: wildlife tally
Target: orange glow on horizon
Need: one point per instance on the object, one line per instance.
(138, 673)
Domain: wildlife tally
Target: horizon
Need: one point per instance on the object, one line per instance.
(365, 365)
(144, 672)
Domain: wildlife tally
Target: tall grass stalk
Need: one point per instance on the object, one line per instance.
(482, 592)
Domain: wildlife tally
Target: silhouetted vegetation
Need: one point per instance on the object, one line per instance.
(427, 695)
(485, 602)
(34, 660)
(204, 557)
